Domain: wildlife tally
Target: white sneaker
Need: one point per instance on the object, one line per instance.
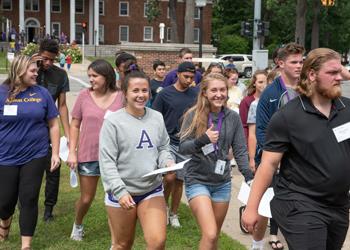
(174, 221)
(77, 232)
(167, 215)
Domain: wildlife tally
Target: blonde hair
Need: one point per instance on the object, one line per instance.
(201, 109)
(314, 61)
(18, 69)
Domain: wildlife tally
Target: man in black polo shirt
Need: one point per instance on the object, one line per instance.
(310, 139)
(56, 81)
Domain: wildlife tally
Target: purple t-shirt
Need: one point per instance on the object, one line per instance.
(171, 78)
(24, 133)
(91, 117)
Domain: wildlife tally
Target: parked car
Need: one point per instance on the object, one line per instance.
(243, 63)
(206, 61)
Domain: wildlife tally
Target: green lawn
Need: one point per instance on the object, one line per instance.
(3, 60)
(55, 235)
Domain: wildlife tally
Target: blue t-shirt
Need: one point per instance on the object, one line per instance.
(24, 133)
(173, 104)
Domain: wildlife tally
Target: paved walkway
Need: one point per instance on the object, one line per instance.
(231, 224)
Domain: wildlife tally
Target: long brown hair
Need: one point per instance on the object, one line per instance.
(18, 69)
(201, 109)
(251, 87)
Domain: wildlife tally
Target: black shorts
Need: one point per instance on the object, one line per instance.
(310, 226)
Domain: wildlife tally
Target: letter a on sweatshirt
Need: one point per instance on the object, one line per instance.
(144, 139)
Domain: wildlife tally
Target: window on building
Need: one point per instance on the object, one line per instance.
(55, 5)
(123, 8)
(101, 32)
(145, 9)
(79, 6)
(197, 12)
(196, 35)
(101, 7)
(123, 33)
(148, 33)
(56, 29)
(168, 34)
(168, 12)
(31, 5)
(6, 5)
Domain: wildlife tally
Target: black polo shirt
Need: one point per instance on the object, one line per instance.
(315, 166)
(55, 80)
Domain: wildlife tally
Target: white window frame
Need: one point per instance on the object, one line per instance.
(194, 35)
(197, 13)
(168, 12)
(144, 33)
(31, 6)
(144, 9)
(80, 13)
(101, 33)
(103, 7)
(128, 9)
(168, 34)
(120, 33)
(60, 6)
(59, 28)
(2, 5)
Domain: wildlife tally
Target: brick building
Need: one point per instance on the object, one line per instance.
(117, 20)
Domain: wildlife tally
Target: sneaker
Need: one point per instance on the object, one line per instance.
(77, 232)
(167, 215)
(174, 221)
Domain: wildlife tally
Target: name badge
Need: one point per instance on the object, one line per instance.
(342, 132)
(220, 167)
(207, 149)
(10, 110)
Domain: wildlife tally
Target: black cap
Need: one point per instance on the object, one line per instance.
(186, 67)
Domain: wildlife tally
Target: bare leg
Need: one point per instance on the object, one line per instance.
(148, 212)
(88, 186)
(123, 223)
(177, 194)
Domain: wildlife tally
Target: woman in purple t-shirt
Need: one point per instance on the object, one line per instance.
(89, 111)
(28, 121)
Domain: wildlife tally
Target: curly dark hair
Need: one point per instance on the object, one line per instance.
(50, 45)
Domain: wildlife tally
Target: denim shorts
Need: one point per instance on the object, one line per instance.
(217, 193)
(91, 168)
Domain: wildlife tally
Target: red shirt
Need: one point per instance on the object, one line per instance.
(243, 112)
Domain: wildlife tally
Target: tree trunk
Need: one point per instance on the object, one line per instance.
(300, 22)
(173, 21)
(189, 22)
(315, 25)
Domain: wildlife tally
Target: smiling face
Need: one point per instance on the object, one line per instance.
(137, 95)
(327, 79)
(29, 78)
(97, 81)
(216, 93)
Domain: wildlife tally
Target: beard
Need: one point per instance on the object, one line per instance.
(329, 93)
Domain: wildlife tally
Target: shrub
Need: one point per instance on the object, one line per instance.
(30, 49)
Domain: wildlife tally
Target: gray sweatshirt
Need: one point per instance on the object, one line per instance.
(130, 148)
(201, 168)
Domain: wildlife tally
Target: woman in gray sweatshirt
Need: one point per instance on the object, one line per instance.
(134, 142)
(208, 131)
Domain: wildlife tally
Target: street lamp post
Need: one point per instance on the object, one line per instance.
(200, 4)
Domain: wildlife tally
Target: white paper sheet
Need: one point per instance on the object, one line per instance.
(178, 166)
(264, 206)
(64, 150)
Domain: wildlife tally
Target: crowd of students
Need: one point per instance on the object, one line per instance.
(125, 126)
